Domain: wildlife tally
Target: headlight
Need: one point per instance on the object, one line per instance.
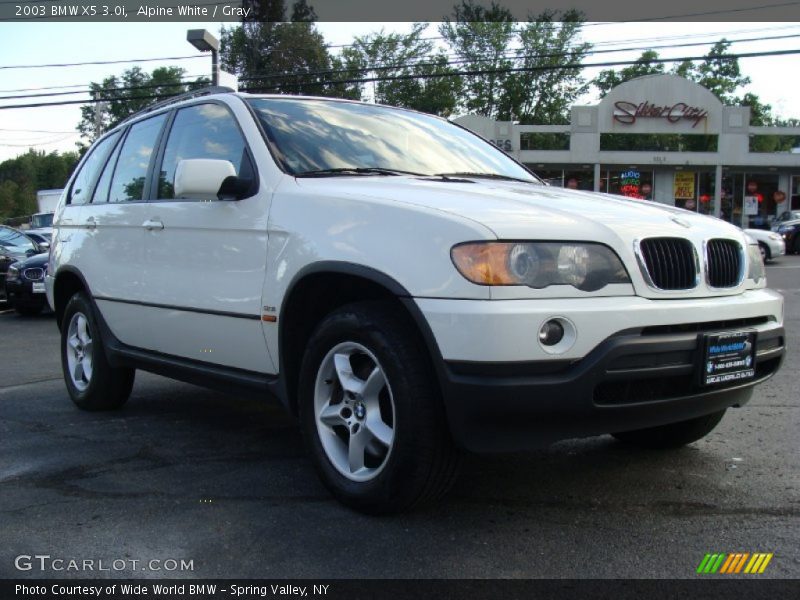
(585, 266)
(775, 236)
(756, 271)
(12, 273)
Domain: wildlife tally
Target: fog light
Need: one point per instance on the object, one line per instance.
(551, 333)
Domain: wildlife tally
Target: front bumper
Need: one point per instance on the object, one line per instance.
(20, 293)
(631, 381)
(643, 373)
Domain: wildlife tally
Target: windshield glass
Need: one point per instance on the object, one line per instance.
(42, 220)
(313, 135)
(15, 242)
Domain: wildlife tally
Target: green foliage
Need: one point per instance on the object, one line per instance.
(147, 88)
(481, 37)
(270, 54)
(416, 64)
(609, 78)
(544, 49)
(548, 45)
(22, 176)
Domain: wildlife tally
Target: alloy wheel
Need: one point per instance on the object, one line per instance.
(354, 411)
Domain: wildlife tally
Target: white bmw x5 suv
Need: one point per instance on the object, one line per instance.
(401, 285)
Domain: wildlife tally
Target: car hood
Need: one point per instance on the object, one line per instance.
(37, 260)
(518, 211)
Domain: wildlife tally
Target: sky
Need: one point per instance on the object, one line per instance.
(775, 79)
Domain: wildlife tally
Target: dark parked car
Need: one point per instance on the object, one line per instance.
(790, 231)
(25, 285)
(787, 215)
(14, 246)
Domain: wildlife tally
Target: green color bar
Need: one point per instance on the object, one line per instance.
(703, 563)
(718, 563)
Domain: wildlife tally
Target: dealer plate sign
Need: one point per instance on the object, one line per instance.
(728, 357)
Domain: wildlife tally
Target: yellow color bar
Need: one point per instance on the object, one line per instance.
(752, 566)
(765, 563)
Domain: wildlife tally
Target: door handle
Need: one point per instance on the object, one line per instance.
(152, 224)
(90, 223)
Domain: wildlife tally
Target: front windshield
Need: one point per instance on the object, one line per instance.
(15, 241)
(314, 135)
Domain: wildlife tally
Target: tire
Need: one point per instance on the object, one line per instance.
(673, 435)
(765, 253)
(796, 244)
(391, 422)
(92, 384)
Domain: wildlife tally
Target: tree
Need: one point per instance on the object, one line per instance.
(526, 72)
(129, 93)
(435, 91)
(22, 176)
(718, 73)
(480, 37)
(609, 78)
(550, 85)
(269, 54)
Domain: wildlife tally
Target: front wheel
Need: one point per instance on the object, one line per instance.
(765, 253)
(91, 382)
(673, 435)
(371, 412)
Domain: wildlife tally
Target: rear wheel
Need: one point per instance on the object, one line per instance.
(91, 382)
(673, 435)
(371, 412)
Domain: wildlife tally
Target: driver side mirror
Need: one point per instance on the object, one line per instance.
(206, 179)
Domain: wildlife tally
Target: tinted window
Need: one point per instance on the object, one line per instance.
(311, 135)
(201, 131)
(104, 185)
(134, 159)
(88, 173)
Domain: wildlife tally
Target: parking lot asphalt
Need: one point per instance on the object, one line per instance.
(183, 473)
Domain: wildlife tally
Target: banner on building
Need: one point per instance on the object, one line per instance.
(683, 187)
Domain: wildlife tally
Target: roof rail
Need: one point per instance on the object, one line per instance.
(206, 91)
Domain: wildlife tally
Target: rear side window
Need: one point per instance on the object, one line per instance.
(82, 186)
(202, 131)
(134, 159)
(104, 184)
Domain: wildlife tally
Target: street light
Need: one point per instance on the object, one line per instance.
(204, 41)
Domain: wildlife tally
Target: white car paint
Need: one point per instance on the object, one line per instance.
(773, 241)
(241, 257)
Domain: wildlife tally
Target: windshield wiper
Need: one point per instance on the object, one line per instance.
(354, 171)
(486, 176)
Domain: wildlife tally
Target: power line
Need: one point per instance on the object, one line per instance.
(101, 62)
(475, 72)
(33, 131)
(435, 75)
(77, 85)
(502, 57)
(272, 76)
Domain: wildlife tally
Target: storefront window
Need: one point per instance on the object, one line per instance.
(795, 193)
(632, 183)
(581, 179)
(759, 198)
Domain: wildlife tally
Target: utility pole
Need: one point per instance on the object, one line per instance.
(100, 108)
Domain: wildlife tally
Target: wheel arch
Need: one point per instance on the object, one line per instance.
(319, 289)
(67, 283)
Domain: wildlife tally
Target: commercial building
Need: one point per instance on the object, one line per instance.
(666, 139)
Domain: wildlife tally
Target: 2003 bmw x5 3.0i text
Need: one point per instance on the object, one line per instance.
(401, 285)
